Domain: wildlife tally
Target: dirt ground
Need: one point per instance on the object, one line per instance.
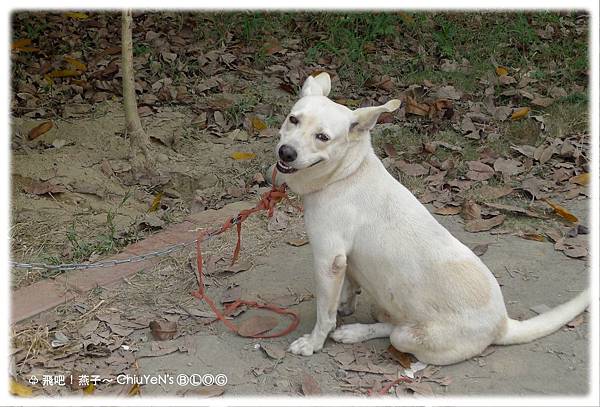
(100, 212)
(501, 147)
(534, 274)
(116, 322)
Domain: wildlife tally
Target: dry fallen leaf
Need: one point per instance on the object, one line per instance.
(488, 192)
(428, 197)
(42, 188)
(514, 209)
(557, 92)
(63, 73)
(256, 324)
(448, 92)
(441, 109)
(480, 249)
(310, 387)
(470, 210)
(429, 147)
(77, 15)
(18, 389)
(525, 149)
(231, 294)
(297, 242)
(581, 179)
(411, 169)
(273, 351)
(163, 330)
(414, 107)
(447, 210)
(353, 103)
(532, 236)
(568, 150)
(564, 213)
(576, 252)
(480, 225)
(542, 102)
(242, 156)
(134, 390)
(385, 118)
(155, 202)
(287, 88)
(78, 65)
(546, 153)
(89, 389)
(575, 192)
(507, 80)
(553, 234)
(467, 125)
(88, 328)
(40, 129)
(403, 358)
(390, 150)
(519, 113)
(258, 124)
(508, 167)
(479, 171)
(501, 71)
(21, 43)
(502, 112)
(238, 267)
(258, 178)
(534, 185)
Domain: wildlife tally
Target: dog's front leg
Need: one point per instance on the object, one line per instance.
(329, 279)
(348, 297)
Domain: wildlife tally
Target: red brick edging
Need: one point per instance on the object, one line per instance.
(47, 294)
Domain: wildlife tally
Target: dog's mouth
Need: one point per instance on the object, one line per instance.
(315, 163)
(287, 169)
(284, 168)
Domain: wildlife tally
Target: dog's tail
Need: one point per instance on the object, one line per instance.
(544, 324)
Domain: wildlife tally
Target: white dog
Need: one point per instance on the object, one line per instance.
(438, 300)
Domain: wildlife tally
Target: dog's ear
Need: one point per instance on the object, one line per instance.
(319, 85)
(366, 117)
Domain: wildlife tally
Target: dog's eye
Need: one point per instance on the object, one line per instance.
(322, 137)
(293, 120)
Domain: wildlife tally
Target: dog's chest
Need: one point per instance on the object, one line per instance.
(330, 217)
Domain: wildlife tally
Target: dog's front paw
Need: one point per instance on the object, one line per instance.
(303, 346)
(351, 333)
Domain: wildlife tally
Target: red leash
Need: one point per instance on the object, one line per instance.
(267, 202)
(385, 389)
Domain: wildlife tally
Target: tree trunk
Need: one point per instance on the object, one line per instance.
(137, 136)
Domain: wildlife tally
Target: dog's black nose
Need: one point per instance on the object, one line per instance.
(287, 153)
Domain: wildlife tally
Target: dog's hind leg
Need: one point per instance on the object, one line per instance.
(348, 297)
(433, 344)
(353, 333)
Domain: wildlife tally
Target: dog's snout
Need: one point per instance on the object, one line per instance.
(287, 153)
